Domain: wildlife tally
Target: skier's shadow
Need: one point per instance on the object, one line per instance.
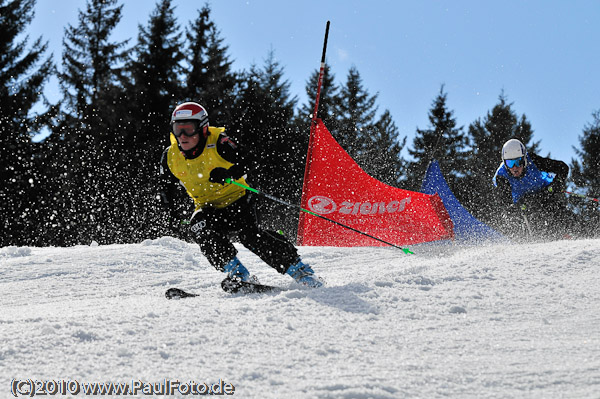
(342, 297)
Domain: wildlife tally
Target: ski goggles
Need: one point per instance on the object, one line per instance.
(188, 128)
(511, 163)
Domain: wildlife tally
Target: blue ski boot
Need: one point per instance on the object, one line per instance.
(235, 270)
(304, 274)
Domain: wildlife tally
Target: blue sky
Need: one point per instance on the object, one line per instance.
(542, 54)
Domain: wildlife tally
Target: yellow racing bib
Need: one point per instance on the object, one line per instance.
(194, 173)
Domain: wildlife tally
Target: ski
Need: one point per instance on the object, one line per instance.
(230, 286)
(177, 293)
(235, 286)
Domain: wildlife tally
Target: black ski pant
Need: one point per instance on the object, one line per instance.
(214, 230)
(549, 217)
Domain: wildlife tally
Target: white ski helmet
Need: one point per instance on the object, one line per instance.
(514, 149)
(190, 111)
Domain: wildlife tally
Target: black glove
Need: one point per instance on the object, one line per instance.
(557, 186)
(219, 175)
(554, 188)
(519, 207)
(514, 210)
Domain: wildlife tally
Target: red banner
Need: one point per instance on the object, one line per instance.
(338, 189)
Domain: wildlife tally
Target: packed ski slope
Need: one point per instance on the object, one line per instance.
(497, 321)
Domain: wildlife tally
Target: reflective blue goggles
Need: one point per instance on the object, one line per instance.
(511, 163)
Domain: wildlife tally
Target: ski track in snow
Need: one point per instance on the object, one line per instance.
(493, 321)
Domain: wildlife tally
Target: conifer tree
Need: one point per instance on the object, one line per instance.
(92, 69)
(585, 171)
(442, 141)
(356, 116)
(210, 78)
(24, 70)
(329, 101)
(265, 131)
(154, 76)
(85, 135)
(487, 137)
(383, 160)
(153, 89)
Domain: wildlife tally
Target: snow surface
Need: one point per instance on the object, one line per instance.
(497, 321)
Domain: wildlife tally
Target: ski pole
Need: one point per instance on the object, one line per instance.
(228, 180)
(527, 225)
(581, 196)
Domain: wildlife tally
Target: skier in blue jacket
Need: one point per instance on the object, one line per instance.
(530, 190)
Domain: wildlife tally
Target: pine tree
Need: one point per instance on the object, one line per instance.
(487, 138)
(265, 131)
(92, 69)
(384, 159)
(585, 172)
(356, 116)
(23, 74)
(154, 76)
(85, 135)
(329, 101)
(210, 80)
(153, 89)
(443, 141)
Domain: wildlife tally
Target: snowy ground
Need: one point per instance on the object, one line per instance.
(498, 321)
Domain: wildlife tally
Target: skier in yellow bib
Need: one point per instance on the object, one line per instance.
(202, 158)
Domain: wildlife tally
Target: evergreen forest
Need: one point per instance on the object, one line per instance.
(94, 177)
